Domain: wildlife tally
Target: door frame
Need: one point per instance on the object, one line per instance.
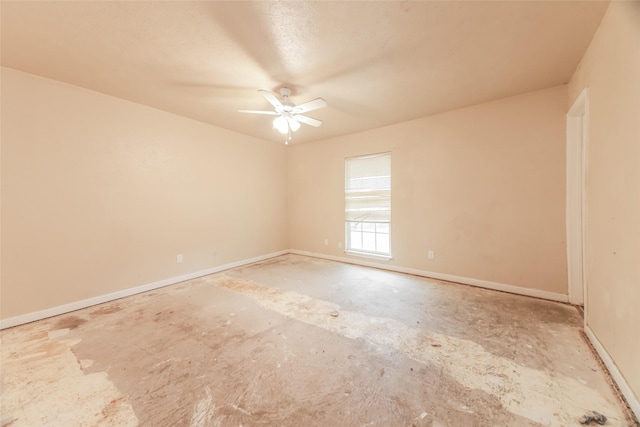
(576, 212)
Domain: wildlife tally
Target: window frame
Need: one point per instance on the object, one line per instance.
(348, 223)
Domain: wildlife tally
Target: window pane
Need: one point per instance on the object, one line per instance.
(369, 226)
(355, 240)
(369, 241)
(382, 227)
(382, 241)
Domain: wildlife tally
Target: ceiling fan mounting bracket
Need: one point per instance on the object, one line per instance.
(285, 92)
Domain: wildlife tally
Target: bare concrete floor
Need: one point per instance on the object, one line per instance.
(297, 341)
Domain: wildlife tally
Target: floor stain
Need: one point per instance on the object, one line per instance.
(106, 309)
(69, 322)
(44, 384)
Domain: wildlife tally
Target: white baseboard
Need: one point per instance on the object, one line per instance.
(66, 308)
(552, 296)
(621, 382)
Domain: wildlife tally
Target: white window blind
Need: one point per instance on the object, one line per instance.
(368, 203)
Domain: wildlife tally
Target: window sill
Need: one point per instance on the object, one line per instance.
(369, 255)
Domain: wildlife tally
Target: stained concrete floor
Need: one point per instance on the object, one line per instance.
(298, 341)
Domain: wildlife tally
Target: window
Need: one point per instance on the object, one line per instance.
(368, 204)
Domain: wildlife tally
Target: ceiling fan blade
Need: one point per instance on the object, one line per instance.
(308, 120)
(311, 105)
(270, 113)
(273, 100)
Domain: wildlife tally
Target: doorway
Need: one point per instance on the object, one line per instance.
(577, 137)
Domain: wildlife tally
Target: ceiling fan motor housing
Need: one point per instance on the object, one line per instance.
(287, 106)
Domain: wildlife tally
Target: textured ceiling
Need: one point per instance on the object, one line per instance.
(376, 63)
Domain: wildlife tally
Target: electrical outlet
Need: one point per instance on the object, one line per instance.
(326, 242)
(339, 245)
(179, 258)
(432, 255)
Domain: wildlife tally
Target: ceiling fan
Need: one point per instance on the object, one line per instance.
(289, 114)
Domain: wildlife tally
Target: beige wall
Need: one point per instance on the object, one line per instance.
(611, 71)
(484, 187)
(100, 194)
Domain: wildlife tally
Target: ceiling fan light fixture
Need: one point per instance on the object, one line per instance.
(281, 124)
(293, 124)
